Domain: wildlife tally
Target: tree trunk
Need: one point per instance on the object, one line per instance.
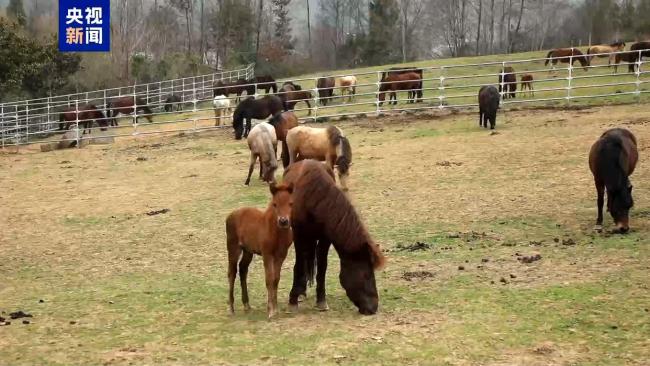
(189, 31)
(507, 44)
(311, 55)
(492, 26)
(478, 27)
(202, 39)
(259, 25)
(521, 12)
(502, 25)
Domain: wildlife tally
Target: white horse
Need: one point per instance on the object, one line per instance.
(221, 105)
(348, 85)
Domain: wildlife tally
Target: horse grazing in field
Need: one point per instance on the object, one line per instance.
(644, 47)
(221, 105)
(291, 94)
(527, 83)
(409, 82)
(266, 83)
(324, 144)
(250, 108)
(325, 86)
(566, 55)
(605, 50)
(283, 122)
(322, 215)
(237, 87)
(508, 82)
(488, 104)
(612, 160)
(263, 143)
(266, 233)
(128, 105)
(630, 58)
(173, 102)
(348, 85)
(87, 114)
(406, 70)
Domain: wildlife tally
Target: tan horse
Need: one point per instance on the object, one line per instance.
(605, 50)
(263, 144)
(348, 85)
(324, 144)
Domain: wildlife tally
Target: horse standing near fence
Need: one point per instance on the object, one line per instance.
(348, 85)
(409, 82)
(283, 122)
(251, 108)
(325, 144)
(566, 55)
(405, 70)
(321, 216)
(237, 87)
(173, 102)
(488, 104)
(221, 105)
(267, 233)
(263, 143)
(128, 105)
(325, 86)
(86, 114)
(527, 83)
(508, 82)
(266, 83)
(612, 160)
(631, 58)
(644, 47)
(605, 50)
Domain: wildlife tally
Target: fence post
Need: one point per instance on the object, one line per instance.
(76, 117)
(135, 112)
(441, 89)
(27, 120)
(502, 85)
(569, 78)
(316, 100)
(377, 109)
(49, 124)
(147, 91)
(637, 92)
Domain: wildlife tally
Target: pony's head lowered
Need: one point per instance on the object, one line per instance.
(357, 277)
(619, 203)
(238, 122)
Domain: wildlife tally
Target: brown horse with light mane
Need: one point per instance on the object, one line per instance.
(266, 233)
(409, 82)
(612, 160)
(283, 122)
(605, 50)
(321, 216)
(567, 55)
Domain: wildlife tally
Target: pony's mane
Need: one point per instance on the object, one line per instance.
(330, 208)
(610, 163)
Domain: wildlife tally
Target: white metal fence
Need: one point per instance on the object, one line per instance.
(27, 120)
(448, 86)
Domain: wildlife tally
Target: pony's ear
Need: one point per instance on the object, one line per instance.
(273, 188)
(290, 188)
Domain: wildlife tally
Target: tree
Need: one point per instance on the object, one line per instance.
(381, 46)
(186, 7)
(16, 11)
(478, 27)
(282, 24)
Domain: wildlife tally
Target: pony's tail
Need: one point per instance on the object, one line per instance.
(344, 152)
(548, 57)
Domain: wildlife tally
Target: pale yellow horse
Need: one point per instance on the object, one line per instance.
(605, 50)
(348, 85)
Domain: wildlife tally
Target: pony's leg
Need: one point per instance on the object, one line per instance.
(234, 251)
(600, 191)
(270, 270)
(250, 168)
(262, 170)
(480, 117)
(246, 259)
(321, 269)
(303, 246)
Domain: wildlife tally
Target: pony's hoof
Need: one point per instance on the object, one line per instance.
(302, 297)
(292, 308)
(322, 306)
(598, 228)
(231, 311)
(272, 314)
(247, 307)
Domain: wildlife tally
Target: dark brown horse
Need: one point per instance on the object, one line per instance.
(322, 215)
(631, 58)
(644, 47)
(488, 104)
(325, 86)
(86, 115)
(237, 87)
(409, 82)
(612, 160)
(266, 83)
(283, 122)
(128, 105)
(250, 108)
(266, 233)
(291, 94)
(405, 70)
(566, 55)
(508, 82)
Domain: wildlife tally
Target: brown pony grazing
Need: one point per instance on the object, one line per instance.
(322, 215)
(405, 70)
(409, 81)
(508, 82)
(605, 50)
(237, 87)
(128, 105)
(263, 143)
(631, 58)
(283, 122)
(612, 160)
(527, 83)
(291, 94)
(250, 108)
(324, 144)
(325, 86)
(266, 233)
(266, 83)
(566, 55)
(348, 85)
(87, 115)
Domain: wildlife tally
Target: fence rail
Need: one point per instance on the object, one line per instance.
(448, 86)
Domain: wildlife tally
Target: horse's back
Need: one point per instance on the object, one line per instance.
(243, 226)
(309, 142)
(616, 141)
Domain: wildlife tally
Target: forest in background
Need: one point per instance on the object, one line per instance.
(163, 39)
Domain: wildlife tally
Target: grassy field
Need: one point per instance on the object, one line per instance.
(108, 284)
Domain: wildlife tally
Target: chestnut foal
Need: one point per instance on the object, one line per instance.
(266, 233)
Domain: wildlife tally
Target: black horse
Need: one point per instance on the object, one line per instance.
(266, 83)
(173, 102)
(488, 104)
(508, 82)
(250, 108)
